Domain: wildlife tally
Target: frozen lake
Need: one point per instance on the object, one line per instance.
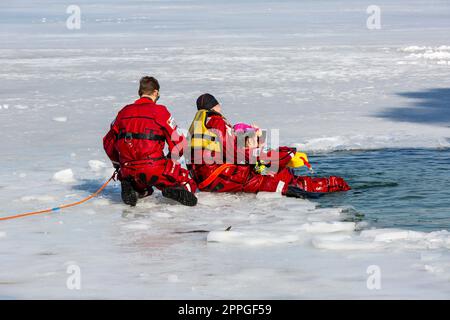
(311, 69)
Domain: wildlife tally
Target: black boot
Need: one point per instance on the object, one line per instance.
(295, 192)
(146, 193)
(181, 195)
(129, 195)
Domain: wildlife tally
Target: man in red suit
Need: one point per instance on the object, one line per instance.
(135, 144)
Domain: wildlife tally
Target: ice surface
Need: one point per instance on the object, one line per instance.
(441, 54)
(60, 119)
(98, 165)
(64, 176)
(310, 68)
(40, 198)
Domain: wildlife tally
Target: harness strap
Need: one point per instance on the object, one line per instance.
(203, 136)
(140, 136)
(141, 162)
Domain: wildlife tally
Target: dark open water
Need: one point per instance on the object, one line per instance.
(402, 188)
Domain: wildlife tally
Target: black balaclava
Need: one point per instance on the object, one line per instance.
(206, 101)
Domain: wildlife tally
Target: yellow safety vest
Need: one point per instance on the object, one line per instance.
(201, 137)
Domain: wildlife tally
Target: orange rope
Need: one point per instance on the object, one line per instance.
(62, 206)
(214, 175)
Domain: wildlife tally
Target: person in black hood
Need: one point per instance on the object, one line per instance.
(208, 102)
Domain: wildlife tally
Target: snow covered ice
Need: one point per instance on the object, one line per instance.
(60, 119)
(64, 176)
(310, 68)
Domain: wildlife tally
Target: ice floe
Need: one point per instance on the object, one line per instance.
(64, 176)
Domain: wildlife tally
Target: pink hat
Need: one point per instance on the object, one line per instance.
(243, 128)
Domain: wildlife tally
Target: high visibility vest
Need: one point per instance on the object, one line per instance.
(201, 137)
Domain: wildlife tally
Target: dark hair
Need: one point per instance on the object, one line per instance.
(147, 85)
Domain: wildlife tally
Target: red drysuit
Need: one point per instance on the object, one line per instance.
(136, 143)
(239, 175)
(234, 167)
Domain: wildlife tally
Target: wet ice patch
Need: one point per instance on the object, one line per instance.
(64, 176)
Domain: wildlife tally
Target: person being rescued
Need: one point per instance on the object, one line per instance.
(135, 144)
(226, 158)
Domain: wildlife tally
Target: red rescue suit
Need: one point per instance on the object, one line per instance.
(136, 142)
(238, 175)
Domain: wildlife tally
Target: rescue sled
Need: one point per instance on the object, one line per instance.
(315, 187)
